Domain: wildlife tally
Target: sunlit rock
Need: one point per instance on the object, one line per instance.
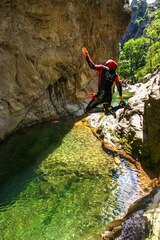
(139, 128)
(152, 216)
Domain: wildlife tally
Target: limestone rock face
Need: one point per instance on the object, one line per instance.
(139, 9)
(152, 217)
(142, 124)
(42, 72)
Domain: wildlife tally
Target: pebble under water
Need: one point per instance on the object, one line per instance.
(58, 184)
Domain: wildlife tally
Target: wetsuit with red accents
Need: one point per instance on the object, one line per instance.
(107, 76)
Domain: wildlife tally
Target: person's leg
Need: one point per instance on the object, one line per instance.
(107, 104)
(108, 109)
(95, 102)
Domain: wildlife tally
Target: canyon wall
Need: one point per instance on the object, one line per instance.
(42, 72)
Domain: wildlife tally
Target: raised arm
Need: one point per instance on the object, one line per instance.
(89, 60)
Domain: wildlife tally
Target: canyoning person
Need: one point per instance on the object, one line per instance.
(107, 76)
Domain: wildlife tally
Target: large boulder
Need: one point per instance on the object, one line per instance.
(42, 72)
(141, 125)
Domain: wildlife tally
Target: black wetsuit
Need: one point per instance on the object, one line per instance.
(107, 76)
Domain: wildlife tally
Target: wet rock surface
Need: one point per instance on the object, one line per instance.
(138, 223)
(132, 228)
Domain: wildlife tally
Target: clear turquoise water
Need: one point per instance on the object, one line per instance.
(56, 183)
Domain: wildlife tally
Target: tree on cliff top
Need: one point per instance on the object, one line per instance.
(141, 55)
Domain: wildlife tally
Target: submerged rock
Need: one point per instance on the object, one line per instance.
(141, 222)
(134, 228)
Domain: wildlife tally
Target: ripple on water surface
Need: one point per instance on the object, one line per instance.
(60, 185)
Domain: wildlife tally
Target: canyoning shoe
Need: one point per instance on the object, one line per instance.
(109, 111)
(122, 104)
(127, 106)
(113, 112)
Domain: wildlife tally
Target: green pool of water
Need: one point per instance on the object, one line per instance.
(55, 184)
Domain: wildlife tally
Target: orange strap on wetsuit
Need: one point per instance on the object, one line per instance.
(91, 95)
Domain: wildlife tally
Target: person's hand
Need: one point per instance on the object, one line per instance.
(84, 51)
(121, 98)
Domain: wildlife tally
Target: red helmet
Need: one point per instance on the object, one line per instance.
(111, 64)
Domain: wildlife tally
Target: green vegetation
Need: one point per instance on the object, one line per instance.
(126, 96)
(125, 145)
(142, 55)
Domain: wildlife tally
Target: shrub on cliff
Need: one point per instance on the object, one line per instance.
(142, 55)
